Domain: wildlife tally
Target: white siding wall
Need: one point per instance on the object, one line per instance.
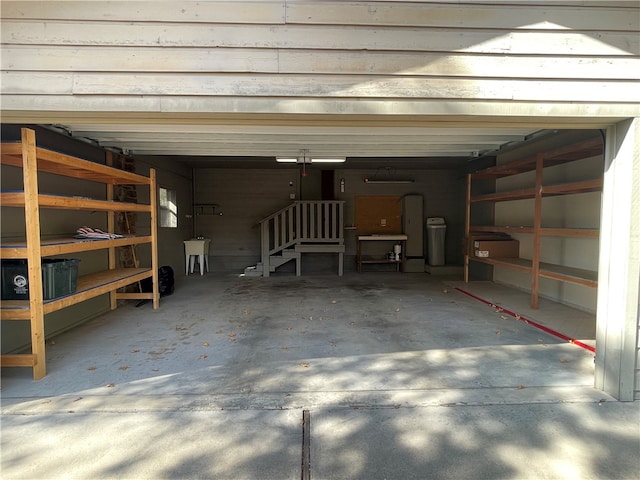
(444, 58)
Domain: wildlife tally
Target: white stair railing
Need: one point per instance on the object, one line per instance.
(301, 222)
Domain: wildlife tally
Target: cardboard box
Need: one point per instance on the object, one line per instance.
(474, 237)
(497, 248)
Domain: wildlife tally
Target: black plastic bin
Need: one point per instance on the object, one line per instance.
(59, 278)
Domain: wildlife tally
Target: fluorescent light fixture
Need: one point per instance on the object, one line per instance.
(329, 160)
(305, 159)
(366, 180)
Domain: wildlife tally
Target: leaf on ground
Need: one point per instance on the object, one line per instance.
(205, 344)
(333, 344)
(245, 312)
(284, 349)
(77, 399)
(521, 387)
(124, 367)
(334, 301)
(397, 309)
(304, 365)
(91, 368)
(202, 357)
(564, 360)
(181, 327)
(110, 385)
(135, 351)
(219, 332)
(498, 332)
(232, 334)
(445, 291)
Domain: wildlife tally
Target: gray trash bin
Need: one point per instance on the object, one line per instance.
(436, 231)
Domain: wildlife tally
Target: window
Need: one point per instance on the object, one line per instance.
(168, 208)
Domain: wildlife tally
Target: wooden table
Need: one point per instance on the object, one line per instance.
(360, 259)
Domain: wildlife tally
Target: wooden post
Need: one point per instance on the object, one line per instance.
(153, 203)
(32, 221)
(537, 224)
(111, 224)
(467, 229)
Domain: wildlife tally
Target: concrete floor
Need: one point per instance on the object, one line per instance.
(403, 377)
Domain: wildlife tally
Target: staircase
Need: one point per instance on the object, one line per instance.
(302, 227)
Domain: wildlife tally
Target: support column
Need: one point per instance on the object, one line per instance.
(619, 264)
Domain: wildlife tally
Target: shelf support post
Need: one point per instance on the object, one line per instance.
(537, 224)
(32, 221)
(467, 230)
(153, 201)
(111, 224)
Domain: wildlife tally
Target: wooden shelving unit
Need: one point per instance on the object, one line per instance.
(33, 160)
(536, 268)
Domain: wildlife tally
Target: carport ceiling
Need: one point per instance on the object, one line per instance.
(199, 145)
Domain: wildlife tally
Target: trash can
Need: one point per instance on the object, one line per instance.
(436, 231)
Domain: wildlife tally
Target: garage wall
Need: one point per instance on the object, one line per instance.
(568, 211)
(177, 177)
(442, 191)
(245, 196)
(299, 57)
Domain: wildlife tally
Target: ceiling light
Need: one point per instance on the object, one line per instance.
(304, 157)
(366, 180)
(329, 160)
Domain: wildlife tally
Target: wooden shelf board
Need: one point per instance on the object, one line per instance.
(569, 153)
(63, 246)
(513, 263)
(571, 188)
(17, 199)
(570, 232)
(18, 360)
(505, 196)
(500, 229)
(544, 231)
(88, 286)
(67, 165)
(579, 276)
(547, 270)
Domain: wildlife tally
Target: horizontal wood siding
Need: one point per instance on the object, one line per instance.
(322, 57)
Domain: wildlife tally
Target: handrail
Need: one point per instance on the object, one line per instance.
(304, 221)
(296, 203)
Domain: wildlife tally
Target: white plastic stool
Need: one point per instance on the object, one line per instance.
(196, 248)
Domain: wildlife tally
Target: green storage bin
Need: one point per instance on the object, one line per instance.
(59, 278)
